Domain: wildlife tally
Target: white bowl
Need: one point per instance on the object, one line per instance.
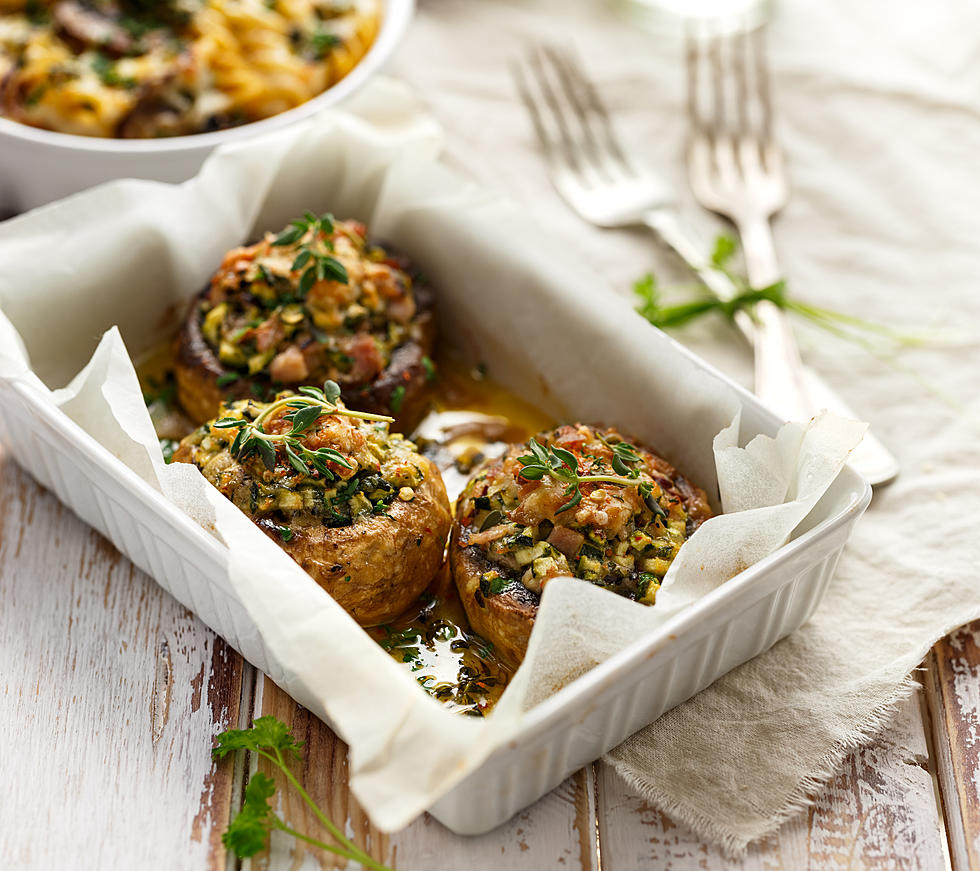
(38, 166)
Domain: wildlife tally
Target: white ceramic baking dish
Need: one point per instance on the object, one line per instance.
(38, 166)
(737, 621)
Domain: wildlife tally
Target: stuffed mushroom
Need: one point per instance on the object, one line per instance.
(578, 500)
(356, 506)
(316, 302)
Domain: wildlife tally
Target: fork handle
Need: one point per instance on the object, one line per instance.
(779, 379)
(871, 458)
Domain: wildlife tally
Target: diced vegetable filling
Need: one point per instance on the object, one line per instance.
(576, 501)
(314, 303)
(335, 470)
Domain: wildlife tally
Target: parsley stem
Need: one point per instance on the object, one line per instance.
(326, 822)
(339, 851)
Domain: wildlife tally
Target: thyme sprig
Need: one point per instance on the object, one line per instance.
(854, 329)
(315, 257)
(306, 408)
(562, 466)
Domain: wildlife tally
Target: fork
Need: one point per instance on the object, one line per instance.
(600, 181)
(736, 169)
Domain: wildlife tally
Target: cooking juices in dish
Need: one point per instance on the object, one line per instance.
(470, 418)
(292, 360)
(316, 302)
(152, 68)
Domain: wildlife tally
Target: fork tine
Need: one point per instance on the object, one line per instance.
(570, 151)
(570, 83)
(762, 82)
(719, 119)
(591, 112)
(741, 53)
(695, 117)
(544, 137)
(721, 127)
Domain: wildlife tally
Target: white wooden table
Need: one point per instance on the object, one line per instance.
(112, 694)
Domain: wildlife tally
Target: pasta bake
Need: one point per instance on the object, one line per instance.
(152, 68)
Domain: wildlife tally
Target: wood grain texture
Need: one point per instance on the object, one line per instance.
(110, 694)
(557, 832)
(953, 692)
(878, 812)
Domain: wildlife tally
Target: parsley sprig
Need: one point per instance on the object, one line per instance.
(562, 465)
(315, 258)
(248, 832)
(306, 409)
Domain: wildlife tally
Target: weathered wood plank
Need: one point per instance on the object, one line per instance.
(878, 811)
(953, 693)
(557, 832)
(110, 693)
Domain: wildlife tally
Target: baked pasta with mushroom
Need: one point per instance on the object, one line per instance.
(152, 68)
(316, 302)
(355, 505)
(578, 500)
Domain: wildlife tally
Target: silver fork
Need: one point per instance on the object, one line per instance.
(606, 187)
(736, 169)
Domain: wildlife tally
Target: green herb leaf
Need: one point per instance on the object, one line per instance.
(315, 392)
(574, 496)
(267, 733)
(331, 392)
(333, 456)
(236, 444)
(306, 281)
(397, 397)
(646, 492)
(304, 418)
(533, 472)
(267, 452)
(567, 458)
(301, 260)
(322, 41)
(285, 532)
(249, 830)
(497, 585)
(430, 368)
(650, 306)
(226, 378)
(290, 236)
(331, 268)
(724, 250)
(296, 462)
